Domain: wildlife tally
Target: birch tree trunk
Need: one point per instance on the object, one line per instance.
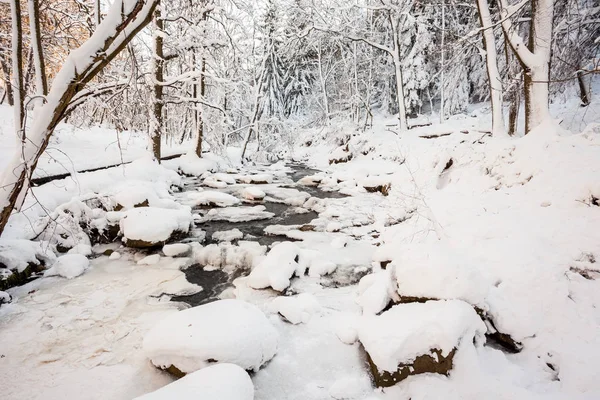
(17, 69)
(535, 58)
(493, 73)
(158, 61)
(124, 20)
(41, 82)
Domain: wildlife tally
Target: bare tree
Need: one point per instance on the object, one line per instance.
(7, 85)
(124, 20)
(17, 68)
(158, 62)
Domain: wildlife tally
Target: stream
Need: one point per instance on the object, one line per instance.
(214, 282)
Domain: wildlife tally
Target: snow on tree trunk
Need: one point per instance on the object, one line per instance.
(41, 83)
(17, 69)
(535, 57)
(402, 120)
(158, 61)
(585, 94)
(493, 73)
(124, 20)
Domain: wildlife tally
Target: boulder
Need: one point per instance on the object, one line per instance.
(151, 226)
(224, 331)
(416, 338)
(218, 382)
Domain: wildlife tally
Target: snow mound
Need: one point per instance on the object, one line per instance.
(176, 249)
(212, 198)
(17, 254)
(407, 331)
(147, 226)
(228, 236)
(253, 193)
(226, 255)
(277, 268)
(69, 266)
(218, 382)
(214, 183)
(297, 309)
(238, 214)
(191, 164)
(256, 179)
(81, 248)
(225, 331)
(376, 290)
(5, 298)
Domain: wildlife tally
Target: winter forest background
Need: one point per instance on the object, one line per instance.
(329, 199)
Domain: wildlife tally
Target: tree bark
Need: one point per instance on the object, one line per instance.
(535, 58)
(41, 82)
(491, 62)
(584, 89)
(7, 84)
(17, 69)
(156, 127)
(200, 126)
(81, 66)
(402, 119)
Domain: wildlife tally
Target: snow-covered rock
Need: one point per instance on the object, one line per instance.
(115, 255)
(212, 198)
(296, 309)
(175, 249)
(191, 164)
(214, 183)
(253, 193)
(277, 268)
(228, 236)
(227, 256)
(150, 226)
(375, 291)
(400, 340)
(238, 214)
(82, 248)
(69, 266)
(5, 298)
(217, 382)
(225, 331)
(256, 179)
(17, 255)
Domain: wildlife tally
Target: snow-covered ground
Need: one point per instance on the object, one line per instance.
(501, 228)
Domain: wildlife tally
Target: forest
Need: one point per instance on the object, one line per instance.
(299, 199)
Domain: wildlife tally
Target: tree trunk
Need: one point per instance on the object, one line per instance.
(323, 83)
(156, 127)
(41, 83)
(7, 84)
(535, 58)
(81, 66)
(491, 62)
(17, 70)
(584, 89)
(200, 117)
(402, 120)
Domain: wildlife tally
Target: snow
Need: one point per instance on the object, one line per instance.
(238, 214)
(256, 178)
(191, 164)
(217, 382)
(225, 255)
(253, 193)
(209, 197)
(276, 269)
(154, 225)
(297, 309)
(407, 331)
(115, 255)
(81, 248)
(194, 338)
(69, 266)
(228, 236)
(175, 249)
(18, 254)
(149, 260)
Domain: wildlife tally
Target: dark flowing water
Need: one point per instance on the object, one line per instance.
(214, 282)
